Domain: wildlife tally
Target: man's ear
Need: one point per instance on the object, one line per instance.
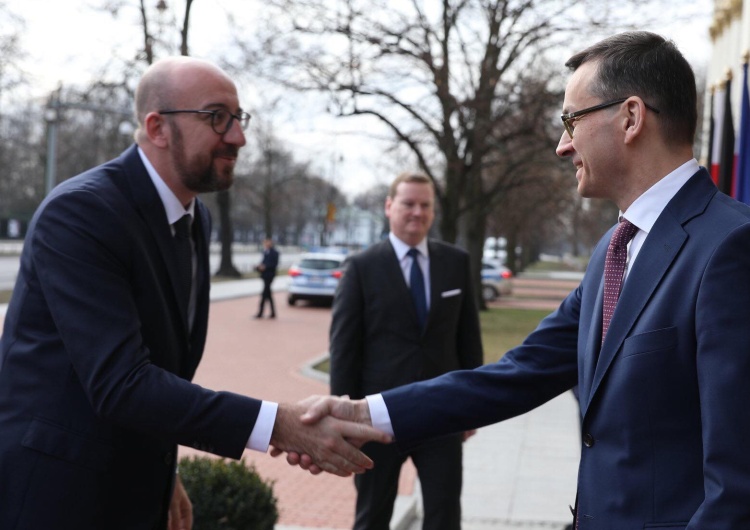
(635, 118)
(156, 129)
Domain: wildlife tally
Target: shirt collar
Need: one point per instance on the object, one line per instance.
(172, 205)
(647, 208)
(402, 248)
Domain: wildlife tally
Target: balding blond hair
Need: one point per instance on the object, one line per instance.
(409, 176)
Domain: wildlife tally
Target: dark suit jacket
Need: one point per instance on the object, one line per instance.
(666, 408)
(270, 263)
(376, 343)
(95, 389)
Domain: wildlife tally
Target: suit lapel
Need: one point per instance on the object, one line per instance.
(201, 234)
(438, 275)
(593, 345)
(656, 256)
(654, 259)
(150, 207)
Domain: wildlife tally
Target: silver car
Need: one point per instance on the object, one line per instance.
(315, 277)
(495, 281)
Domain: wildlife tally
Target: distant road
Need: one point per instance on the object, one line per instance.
(243, 259)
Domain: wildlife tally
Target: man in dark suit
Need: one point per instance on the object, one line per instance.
(380, 340)
(267, 269)
(663, 383)
(107, 325)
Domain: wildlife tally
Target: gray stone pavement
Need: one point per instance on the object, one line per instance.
(521, 473)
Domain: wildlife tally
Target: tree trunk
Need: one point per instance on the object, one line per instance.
(226, 237)
(476, 227)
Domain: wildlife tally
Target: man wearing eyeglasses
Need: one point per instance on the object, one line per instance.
(656, 335)
(108, 322)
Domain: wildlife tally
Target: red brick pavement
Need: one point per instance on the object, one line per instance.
(263, 359)
(536, 294)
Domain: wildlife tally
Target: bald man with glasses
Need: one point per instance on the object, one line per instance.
(108, 322)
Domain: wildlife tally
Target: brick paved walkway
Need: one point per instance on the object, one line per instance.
(264, 359)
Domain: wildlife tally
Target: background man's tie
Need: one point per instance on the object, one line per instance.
(184, 258)
(614, 269)
(416, 285)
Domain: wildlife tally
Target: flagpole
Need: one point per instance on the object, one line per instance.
(743, 145)
(726, 182)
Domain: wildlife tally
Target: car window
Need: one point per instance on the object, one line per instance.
(319, 264)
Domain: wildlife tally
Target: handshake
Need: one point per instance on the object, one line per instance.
(324, 433)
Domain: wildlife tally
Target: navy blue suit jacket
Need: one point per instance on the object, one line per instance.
(665, 401)
(95, 389)
(270, 264)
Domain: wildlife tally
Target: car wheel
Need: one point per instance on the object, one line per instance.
(489, 293)
(291, 299)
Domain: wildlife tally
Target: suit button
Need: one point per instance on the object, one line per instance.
(588, 440)
(169, 459)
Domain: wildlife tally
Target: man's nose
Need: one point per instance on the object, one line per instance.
(565, 146)
(235, 135)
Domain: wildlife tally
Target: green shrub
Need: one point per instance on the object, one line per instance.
(228, 495)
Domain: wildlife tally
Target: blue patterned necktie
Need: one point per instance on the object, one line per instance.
(416, 286)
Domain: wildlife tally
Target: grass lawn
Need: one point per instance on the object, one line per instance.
(502, 329)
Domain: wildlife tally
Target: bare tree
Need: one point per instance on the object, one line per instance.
(157, 21)
(11, 53)
(454, 80)
(373, 201)
(19, 139)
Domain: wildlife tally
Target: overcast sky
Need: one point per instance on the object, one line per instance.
(67, 40)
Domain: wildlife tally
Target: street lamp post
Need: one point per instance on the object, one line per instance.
(51, 116)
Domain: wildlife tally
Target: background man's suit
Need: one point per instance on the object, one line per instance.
(96, 306)
(376, 344)
(665, 404)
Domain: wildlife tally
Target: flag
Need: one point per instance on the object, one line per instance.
(726, 151)
(718, 114)
(711, 119)
(743, 145)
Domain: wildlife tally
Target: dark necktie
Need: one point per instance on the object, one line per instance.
(416, 285)
(614, 269)
(184, 250)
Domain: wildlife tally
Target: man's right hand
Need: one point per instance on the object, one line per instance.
(324, 433)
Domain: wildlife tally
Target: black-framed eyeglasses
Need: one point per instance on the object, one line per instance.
(221, 119)
(570, 118)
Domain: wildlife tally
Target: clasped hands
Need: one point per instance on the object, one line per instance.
(325, 433)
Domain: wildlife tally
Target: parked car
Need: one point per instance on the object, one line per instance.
(495, 281)
(315, 277)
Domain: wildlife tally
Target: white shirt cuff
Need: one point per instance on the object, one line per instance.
(381, 420)
(260, 438)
